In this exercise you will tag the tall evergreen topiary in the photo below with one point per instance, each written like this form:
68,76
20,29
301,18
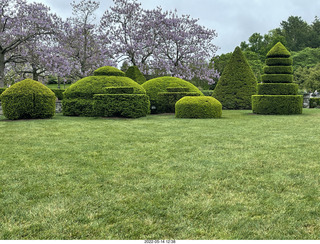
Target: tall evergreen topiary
135,74
237,83
277,94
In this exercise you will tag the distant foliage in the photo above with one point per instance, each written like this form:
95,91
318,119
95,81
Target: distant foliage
135,74
198,107
237,83
28,99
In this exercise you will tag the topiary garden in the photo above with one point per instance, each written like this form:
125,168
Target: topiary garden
28,99
277,94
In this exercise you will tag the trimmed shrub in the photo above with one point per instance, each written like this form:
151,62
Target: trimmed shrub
177,89
78,98
278,89
278,70
155,86
200,107
314,102
278,51
119,90
237,83
58,92
207,92
277,104
167,100
28,99
277,95
135,74
108,71
279,61
125,105
277,78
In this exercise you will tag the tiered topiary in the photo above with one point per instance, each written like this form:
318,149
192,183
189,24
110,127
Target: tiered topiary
277,94
202,107
165,91
28,99
116,93
135,74
237,83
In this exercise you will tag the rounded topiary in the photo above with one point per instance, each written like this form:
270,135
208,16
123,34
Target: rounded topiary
156,87
79,97
135,74
237,83
198,107
277,94
108,71
28,99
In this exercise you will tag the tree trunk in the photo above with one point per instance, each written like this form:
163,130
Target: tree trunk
1,70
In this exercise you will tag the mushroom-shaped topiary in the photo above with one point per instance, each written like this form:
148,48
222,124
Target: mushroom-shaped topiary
156,88
108,71
198,107
79,98
28,99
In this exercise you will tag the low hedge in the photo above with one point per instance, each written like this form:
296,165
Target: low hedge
277,104
200,107
314,102
58,92
119,90
278,89
28,99
279,61
78,107
177,89
125,105
278,70
167,100
277,78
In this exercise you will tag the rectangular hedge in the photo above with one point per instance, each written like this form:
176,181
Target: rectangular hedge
167,100
119,90
125,105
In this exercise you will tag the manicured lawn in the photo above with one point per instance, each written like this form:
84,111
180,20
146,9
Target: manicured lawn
240,177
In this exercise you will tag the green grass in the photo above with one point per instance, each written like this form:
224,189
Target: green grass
240,177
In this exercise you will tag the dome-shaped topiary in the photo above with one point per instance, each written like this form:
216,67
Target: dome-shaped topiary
237,83
135,74
108,71
79,97
28,99
198,107
156,87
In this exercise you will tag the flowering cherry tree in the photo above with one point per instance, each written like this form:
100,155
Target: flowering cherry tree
21,23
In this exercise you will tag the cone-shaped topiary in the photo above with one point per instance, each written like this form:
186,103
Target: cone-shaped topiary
28,99
135,74
277,94
237,83
120,94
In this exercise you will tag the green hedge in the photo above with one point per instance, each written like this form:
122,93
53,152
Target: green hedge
278,51
108,71
278,70
135,74
277,78
158,85
277,104
2,90
167,100
119,90
28,99
177,89
198,107
279,61
58,92
125,105
278,89
314,102
207,92
78,107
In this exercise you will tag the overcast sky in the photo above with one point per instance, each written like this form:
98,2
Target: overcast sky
234,20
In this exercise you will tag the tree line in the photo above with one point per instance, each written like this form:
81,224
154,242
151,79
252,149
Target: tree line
36,43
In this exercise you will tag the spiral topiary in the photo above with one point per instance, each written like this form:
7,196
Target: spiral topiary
28,99
277,94
155,89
